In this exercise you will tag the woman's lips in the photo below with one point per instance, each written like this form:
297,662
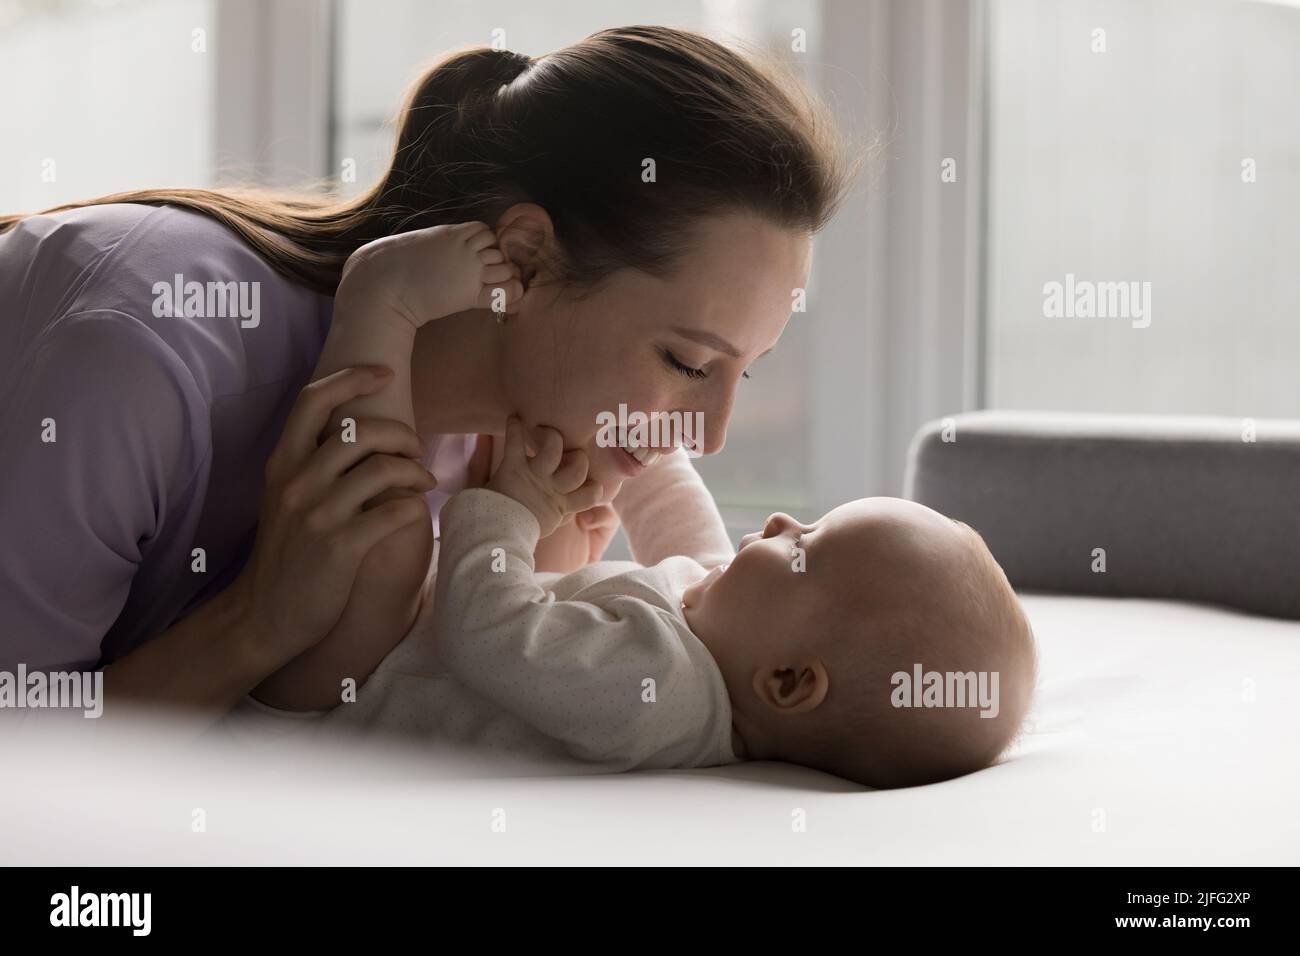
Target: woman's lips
626,463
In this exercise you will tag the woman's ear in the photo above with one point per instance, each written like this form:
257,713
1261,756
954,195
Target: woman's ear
524,233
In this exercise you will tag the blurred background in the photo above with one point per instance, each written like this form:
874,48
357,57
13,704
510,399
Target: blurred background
1021,140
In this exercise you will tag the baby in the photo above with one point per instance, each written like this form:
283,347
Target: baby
881,643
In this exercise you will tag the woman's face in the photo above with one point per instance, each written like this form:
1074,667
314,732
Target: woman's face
681,344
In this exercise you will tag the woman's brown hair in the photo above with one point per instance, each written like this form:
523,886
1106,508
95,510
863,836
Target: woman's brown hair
483,129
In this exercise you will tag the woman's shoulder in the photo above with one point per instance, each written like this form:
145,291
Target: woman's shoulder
71,244
87,231
177,278
118,255
131,244
84,230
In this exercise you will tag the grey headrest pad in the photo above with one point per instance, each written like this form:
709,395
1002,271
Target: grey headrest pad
1181,507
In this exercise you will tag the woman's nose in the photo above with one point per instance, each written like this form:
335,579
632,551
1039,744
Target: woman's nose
715,423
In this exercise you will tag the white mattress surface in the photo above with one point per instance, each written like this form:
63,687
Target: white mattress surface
1163,733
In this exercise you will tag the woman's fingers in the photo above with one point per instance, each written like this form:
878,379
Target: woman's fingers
371,478
572,471
368,436
355,538
311,412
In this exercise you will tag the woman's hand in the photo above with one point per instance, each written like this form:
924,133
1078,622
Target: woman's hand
426,274
313,532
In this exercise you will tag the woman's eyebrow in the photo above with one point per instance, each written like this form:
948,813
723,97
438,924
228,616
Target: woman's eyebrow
715,342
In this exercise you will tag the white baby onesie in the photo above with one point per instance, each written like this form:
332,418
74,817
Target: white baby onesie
600,660
594,668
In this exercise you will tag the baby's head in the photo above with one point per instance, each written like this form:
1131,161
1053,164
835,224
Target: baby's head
881,643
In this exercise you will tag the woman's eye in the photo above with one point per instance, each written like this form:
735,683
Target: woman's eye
680,366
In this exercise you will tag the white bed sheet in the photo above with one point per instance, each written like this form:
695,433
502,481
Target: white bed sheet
1163,733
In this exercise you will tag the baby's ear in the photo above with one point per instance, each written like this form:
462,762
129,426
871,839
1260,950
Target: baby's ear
794,690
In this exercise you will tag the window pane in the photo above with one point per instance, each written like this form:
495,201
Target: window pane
113,96
1131,165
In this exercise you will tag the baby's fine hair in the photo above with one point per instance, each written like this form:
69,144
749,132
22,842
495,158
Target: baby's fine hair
956,617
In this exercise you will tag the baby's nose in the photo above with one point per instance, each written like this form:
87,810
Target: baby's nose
779,522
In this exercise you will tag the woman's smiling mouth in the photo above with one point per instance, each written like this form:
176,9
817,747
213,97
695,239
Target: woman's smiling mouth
633,459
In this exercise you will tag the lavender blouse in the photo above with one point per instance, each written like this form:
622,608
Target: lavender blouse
148,361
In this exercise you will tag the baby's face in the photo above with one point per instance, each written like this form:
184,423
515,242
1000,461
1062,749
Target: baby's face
767,607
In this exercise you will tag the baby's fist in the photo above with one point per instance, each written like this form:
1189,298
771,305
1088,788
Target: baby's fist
552,484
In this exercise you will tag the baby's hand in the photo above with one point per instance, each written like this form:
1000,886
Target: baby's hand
427,274
552,485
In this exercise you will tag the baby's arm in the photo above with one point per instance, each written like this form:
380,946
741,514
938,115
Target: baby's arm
367,330
574,670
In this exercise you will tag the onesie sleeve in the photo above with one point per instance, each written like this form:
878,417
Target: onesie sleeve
97,437
615,680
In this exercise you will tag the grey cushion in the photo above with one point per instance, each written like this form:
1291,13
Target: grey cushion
1182,506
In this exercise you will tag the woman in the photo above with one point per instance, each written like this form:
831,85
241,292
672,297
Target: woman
656,194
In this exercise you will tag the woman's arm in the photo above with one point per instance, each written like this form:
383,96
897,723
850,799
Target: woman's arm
668,510
206,662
